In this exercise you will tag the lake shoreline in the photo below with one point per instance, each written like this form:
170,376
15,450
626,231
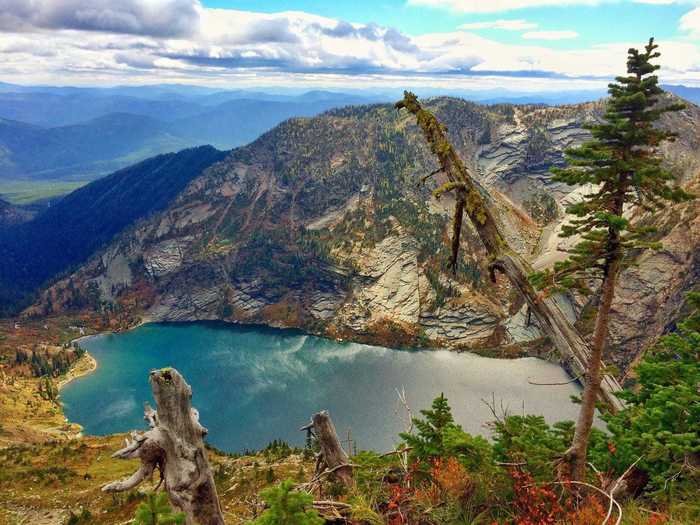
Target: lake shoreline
84,366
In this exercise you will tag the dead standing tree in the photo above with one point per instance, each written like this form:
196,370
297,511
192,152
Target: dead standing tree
476,203
331,458
175,447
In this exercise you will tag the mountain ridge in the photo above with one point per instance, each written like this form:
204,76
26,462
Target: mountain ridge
68,232
318,224
113,140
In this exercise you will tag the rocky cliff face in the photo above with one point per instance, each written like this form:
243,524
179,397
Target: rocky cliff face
320,224
651,293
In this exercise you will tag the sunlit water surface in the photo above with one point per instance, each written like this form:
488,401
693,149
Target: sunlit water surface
252,385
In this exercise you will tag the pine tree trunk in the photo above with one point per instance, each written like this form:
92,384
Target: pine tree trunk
175,446
575,458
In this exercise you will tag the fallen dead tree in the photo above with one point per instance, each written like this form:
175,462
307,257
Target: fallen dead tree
174,446
476,203
333,511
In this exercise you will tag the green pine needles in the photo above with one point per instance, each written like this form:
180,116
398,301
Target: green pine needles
286,507
438,436
624,166
429,440
662,422
156,510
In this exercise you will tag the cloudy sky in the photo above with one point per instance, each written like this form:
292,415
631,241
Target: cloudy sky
461,44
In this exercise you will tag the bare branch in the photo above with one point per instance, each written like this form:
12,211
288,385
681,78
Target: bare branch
144,472
424,178
614,488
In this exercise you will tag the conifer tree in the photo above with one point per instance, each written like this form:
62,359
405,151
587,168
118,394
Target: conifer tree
156,510
660,428
623,165
429,440
286,507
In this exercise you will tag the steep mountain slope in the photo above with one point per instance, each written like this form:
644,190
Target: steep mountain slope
651,294
67,233
320,224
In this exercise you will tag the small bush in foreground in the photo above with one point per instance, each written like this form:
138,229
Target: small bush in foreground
156,510
286,507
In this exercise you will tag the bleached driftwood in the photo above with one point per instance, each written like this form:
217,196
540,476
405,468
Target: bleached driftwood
175,447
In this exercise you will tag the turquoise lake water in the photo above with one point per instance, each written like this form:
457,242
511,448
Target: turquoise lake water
252,385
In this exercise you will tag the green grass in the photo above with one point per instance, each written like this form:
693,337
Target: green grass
21,192
25,191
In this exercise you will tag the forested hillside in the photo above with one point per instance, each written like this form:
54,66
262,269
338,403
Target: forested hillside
68,232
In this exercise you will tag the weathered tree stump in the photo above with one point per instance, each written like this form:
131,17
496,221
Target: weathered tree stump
174,446
331,459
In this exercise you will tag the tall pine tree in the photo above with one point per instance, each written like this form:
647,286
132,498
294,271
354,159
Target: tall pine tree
623,164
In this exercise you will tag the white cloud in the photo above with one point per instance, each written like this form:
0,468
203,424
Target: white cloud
495,6
498,6
550,35
691,21
227,47
665,2
506,25
141,17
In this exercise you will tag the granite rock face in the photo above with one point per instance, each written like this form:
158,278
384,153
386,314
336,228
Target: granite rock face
651,293
319,224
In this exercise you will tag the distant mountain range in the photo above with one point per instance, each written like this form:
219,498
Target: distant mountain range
82,150
77,134
62,106
691,94
71,230
74,134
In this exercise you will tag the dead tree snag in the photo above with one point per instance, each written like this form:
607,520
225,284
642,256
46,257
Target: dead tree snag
331,459
174,445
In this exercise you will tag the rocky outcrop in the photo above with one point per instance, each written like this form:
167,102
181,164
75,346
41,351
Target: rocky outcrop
392,269
651,291
651,294
166,256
